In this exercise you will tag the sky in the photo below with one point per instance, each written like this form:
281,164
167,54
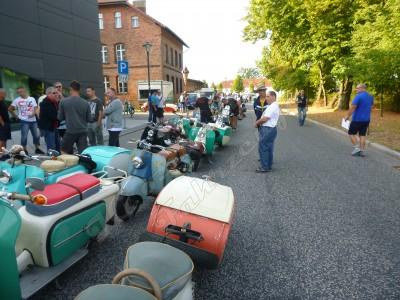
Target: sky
213,30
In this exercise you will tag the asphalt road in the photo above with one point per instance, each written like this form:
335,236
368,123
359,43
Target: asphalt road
322,225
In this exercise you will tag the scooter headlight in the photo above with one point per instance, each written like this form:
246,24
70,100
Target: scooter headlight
137,162
168,142
150,133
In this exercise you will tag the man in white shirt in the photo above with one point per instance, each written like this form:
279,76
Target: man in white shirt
267,125
27,111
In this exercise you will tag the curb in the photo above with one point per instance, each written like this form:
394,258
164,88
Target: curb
377,146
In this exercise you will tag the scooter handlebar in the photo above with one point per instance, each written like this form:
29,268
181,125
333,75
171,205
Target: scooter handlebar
16,196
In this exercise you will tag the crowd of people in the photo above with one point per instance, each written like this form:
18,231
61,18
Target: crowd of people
66,122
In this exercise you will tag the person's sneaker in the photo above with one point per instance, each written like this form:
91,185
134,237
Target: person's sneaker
259,170
356,151
361,153
39,151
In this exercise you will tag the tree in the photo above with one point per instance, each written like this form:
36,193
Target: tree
249,73
213,86
251,87
205,84
237,84
220,87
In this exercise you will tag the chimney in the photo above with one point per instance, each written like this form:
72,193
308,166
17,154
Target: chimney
141,4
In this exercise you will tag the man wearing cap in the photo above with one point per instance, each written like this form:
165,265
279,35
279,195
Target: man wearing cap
260,104
267,126
361,114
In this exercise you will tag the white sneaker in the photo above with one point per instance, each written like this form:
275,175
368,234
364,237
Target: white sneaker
356,151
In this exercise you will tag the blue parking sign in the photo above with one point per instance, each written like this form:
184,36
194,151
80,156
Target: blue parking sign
123,68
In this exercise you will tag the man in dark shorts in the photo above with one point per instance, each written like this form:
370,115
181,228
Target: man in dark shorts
205,112
5,129
361,114
76,113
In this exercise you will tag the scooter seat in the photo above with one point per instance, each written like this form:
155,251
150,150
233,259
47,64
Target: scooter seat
168,155
51,166
115,292
68,159
64,194
58,197
85,184
170,267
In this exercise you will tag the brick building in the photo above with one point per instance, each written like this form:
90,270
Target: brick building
124,28
194,85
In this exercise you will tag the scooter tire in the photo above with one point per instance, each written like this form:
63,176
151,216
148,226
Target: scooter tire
195,165
127,206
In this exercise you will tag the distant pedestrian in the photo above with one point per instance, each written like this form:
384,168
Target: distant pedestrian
76,113
260,103
27,112
302,103
234,111
95,125
62,127
204,106
182,102
5,129
48,121
114,114
267,125
160,108
154,101
361,115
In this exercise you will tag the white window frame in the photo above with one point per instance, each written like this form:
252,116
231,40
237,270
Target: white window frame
118,19
135,22
122,86
106,82
104,54
120,52
101,21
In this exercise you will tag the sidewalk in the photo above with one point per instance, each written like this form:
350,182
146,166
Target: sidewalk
131,125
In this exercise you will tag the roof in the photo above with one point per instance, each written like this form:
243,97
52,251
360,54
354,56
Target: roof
125,2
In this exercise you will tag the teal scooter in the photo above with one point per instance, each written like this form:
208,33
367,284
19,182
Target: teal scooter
15,171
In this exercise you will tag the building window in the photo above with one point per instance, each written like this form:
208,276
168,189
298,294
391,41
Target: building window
106,82
120,52
173,84
171,52
180,86
101,21
166,54
167,77
118,20
122,86
180,61
104,54
176,58
135,22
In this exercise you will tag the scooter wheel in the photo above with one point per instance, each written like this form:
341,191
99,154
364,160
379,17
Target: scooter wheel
127,206
195,165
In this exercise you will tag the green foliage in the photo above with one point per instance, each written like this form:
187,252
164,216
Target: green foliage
251,87
220,87
249,73
205,84
237,84
319,45
213,86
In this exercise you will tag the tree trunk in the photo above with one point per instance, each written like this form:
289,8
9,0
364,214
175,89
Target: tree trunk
322,86
346,94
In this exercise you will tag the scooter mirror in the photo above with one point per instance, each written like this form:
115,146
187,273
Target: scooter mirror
35,183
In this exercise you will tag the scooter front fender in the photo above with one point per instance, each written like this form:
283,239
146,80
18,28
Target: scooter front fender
134,186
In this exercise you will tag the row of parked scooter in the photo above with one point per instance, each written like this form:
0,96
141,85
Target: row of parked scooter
49,213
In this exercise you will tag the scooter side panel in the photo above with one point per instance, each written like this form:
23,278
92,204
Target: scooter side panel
134,186
70,234
19,174
159,166
10,224
108,155
210,141
35,229
215,233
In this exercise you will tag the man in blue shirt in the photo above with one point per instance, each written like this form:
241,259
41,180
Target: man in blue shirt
361,114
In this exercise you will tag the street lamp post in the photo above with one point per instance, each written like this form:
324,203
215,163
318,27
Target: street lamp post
147,46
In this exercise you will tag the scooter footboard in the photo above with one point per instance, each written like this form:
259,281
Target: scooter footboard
200,257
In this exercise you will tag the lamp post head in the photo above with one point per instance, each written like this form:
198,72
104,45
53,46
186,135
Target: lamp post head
147,46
